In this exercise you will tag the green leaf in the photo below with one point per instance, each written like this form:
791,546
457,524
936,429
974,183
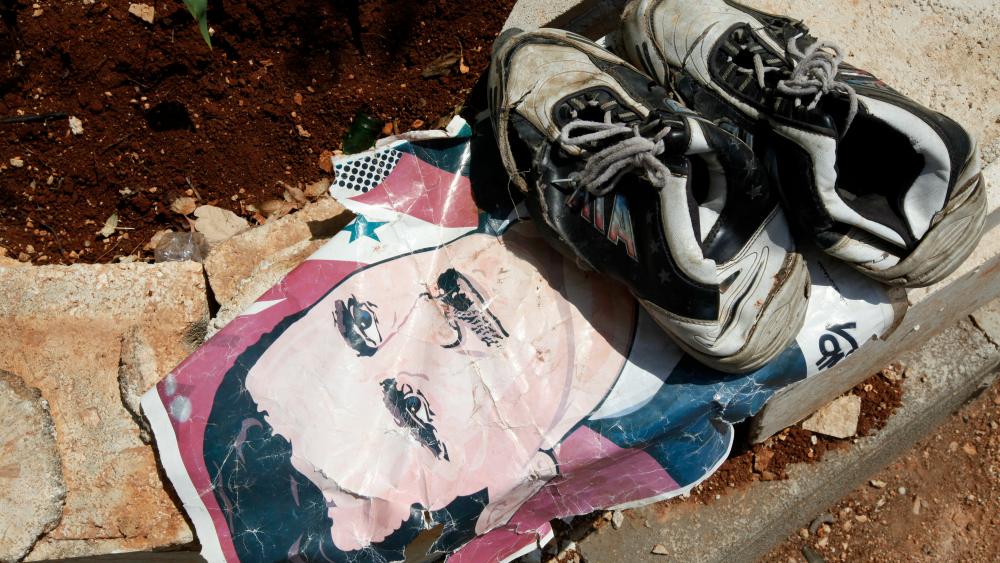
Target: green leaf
199,9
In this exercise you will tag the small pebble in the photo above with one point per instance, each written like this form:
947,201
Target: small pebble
75,126
878,484
659,549
144,12
617,518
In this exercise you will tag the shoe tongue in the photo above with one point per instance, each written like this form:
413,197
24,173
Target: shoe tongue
831,114
676,141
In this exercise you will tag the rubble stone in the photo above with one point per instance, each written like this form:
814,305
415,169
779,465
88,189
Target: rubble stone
138,371
232,262
32,491
263,277
838,419
61,330
144,12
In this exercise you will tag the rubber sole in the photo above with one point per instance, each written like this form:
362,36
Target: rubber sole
779,323
946,246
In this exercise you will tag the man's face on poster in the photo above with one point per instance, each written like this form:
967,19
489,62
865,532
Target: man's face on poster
438,375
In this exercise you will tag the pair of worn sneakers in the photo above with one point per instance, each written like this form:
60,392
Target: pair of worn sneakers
682,203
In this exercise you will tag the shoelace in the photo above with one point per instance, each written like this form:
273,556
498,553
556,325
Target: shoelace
604,169
814,74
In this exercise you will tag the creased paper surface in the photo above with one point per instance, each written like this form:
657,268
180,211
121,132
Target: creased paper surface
437,380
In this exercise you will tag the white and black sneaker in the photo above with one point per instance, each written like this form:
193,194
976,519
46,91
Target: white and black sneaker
877,180
630,184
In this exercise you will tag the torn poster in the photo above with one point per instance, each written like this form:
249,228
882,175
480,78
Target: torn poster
436,380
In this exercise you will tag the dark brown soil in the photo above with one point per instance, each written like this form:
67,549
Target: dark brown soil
164,116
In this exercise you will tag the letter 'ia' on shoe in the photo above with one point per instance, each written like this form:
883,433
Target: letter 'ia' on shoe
632,185
877,180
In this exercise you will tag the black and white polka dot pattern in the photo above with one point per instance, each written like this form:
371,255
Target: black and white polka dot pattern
365,173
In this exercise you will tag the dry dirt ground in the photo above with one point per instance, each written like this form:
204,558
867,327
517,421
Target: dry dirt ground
940,502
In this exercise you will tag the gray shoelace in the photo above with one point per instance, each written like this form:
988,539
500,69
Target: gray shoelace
814,74
605,168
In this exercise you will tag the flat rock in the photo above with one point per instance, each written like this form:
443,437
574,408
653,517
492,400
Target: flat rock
138,372
218,224
264,276
838,419
61,331
32,491
232,262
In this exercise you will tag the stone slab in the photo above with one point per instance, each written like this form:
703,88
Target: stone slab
232,262
32,491
61,331
591,18
745,524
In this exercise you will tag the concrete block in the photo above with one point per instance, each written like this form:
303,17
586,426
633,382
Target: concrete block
591,18
61,331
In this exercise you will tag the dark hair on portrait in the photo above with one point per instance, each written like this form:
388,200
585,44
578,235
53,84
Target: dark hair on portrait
274,513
